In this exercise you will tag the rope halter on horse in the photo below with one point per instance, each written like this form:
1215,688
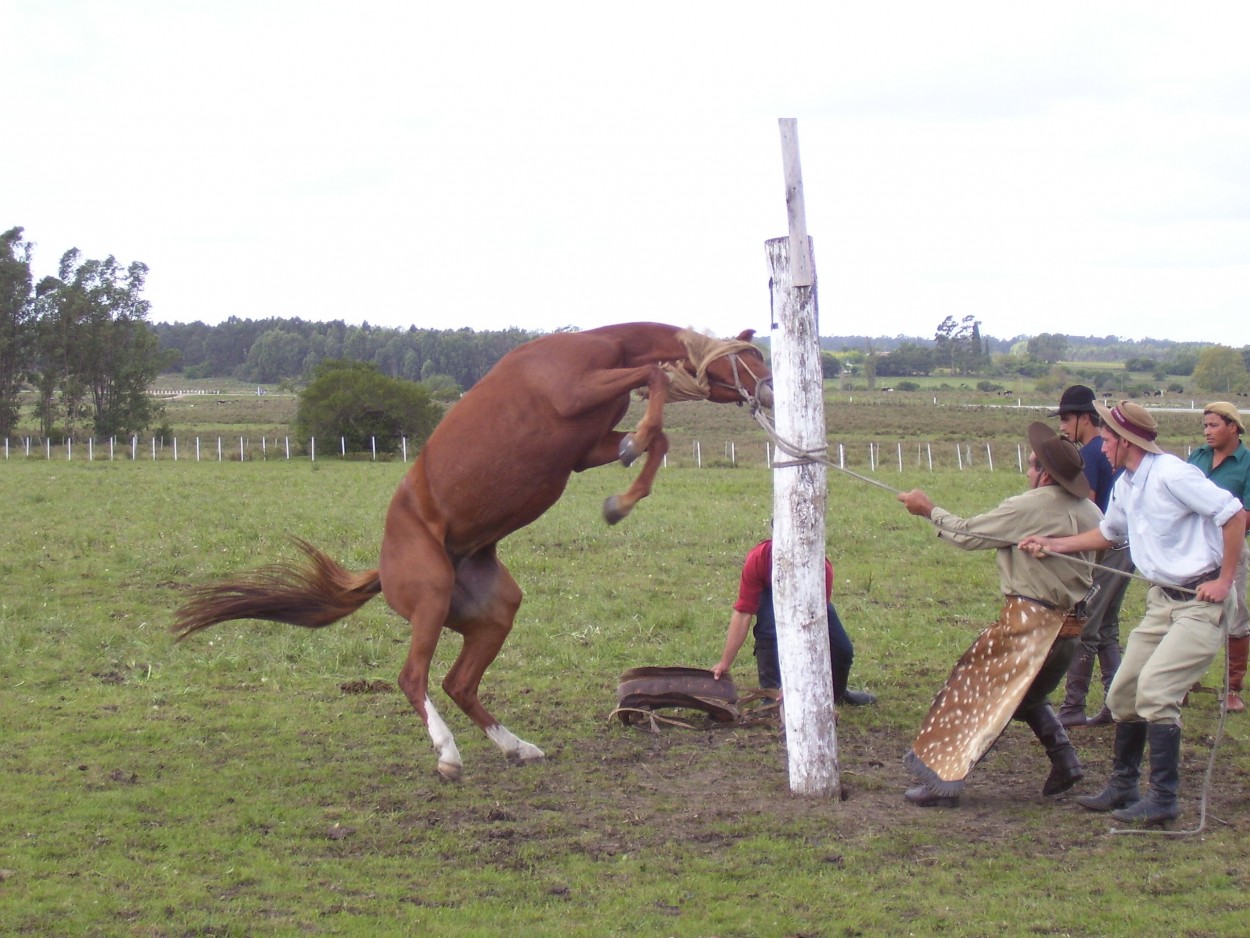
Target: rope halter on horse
702,350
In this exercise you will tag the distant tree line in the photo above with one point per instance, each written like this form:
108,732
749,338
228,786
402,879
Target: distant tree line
1046,347
269,351
958,349
81,339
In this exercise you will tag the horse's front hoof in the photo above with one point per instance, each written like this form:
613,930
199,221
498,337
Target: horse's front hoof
450,771
628,451
612,512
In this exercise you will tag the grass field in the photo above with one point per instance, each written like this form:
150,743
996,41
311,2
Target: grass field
263,780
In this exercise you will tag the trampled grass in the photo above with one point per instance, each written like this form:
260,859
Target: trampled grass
228,785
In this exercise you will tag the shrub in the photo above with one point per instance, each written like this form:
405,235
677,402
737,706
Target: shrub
355,401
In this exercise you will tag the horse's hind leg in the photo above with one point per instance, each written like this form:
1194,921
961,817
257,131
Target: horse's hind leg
493,598
414,680
417,581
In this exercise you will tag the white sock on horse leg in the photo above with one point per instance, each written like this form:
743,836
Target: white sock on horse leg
449,764
517,750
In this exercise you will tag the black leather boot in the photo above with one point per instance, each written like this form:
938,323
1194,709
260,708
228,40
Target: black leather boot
845,697
1065,766
925,797
1121,789
1160,803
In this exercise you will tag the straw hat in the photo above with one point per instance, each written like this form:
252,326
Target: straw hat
1060,458
1131,422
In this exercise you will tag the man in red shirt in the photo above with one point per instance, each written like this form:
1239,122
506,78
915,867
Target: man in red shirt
755,599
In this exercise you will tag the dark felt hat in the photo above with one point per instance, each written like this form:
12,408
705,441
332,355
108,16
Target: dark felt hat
1077,399
1060,458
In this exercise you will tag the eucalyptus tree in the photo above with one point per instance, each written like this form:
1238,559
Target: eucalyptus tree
95,353
16,319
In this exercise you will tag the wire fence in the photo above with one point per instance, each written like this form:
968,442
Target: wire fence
894,456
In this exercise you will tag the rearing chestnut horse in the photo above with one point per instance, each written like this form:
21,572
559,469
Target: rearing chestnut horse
500,458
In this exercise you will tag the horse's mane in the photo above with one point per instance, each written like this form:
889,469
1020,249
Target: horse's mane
701,351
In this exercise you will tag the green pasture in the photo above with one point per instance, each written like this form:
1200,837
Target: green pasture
265,780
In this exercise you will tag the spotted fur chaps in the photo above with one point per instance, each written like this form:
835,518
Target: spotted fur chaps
983,691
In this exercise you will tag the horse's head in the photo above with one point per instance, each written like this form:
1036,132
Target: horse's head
737,374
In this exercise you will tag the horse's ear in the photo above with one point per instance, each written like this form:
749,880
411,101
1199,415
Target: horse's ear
746,335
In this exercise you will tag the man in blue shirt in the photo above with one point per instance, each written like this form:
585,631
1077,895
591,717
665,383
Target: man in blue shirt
1226,462
1100,637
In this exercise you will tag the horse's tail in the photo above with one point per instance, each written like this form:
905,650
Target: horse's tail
314,595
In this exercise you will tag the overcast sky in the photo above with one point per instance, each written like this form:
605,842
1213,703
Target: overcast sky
1079,168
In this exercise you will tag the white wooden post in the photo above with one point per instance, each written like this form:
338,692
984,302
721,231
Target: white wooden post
799,497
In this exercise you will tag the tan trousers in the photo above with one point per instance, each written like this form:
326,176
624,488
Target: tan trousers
1170,650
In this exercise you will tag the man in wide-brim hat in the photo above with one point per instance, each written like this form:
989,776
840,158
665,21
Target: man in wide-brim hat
1185,534
1017,661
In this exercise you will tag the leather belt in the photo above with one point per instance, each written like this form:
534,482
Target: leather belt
1183,593
1072,626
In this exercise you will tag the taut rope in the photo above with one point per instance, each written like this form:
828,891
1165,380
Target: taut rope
802,457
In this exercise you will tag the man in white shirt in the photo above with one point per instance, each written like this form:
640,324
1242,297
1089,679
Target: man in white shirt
1184,533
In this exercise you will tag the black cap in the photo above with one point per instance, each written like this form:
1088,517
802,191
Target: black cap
1077,399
